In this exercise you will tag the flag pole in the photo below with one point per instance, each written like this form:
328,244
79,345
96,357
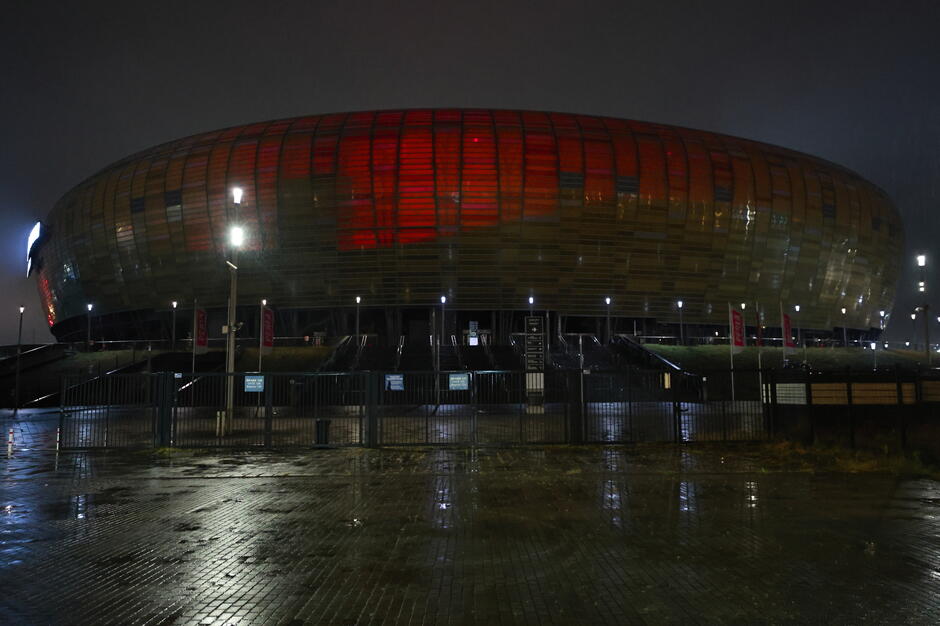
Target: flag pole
731,347
760,340
195,330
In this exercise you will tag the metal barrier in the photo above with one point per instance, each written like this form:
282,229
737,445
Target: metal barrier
401,408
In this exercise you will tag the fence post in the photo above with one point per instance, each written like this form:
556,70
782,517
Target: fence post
372,422
62,388
902,422
773,403
576,394
268,411
165,385
809,407
676,417
848,396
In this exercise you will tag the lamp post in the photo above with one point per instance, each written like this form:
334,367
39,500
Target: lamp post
881,325
874,355
19,343
89,306
681,331
358,300
925,307
173,326
607,301
443,325
799,331
264,303
845,330
236,239
531,302
914,327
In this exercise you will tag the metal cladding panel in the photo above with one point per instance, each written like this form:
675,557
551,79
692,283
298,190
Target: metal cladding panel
489,207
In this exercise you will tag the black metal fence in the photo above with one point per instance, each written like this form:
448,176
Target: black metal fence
409,408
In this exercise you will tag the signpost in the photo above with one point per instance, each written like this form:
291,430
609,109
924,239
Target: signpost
394,382
534,359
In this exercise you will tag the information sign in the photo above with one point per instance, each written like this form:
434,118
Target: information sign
458,382
254,383
394,382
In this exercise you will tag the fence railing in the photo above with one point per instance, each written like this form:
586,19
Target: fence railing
402,408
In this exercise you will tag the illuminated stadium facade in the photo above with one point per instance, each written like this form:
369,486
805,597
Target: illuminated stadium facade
485,207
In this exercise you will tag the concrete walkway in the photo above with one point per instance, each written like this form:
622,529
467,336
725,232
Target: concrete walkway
534,535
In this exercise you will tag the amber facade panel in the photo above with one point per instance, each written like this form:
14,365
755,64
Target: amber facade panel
486,207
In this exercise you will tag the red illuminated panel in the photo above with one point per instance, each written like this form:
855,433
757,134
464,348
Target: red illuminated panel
355,219
384,181
219,194
541,168
509,148
416,212
446,164
598,171
195,207
479,184
47,298
652,169
269,151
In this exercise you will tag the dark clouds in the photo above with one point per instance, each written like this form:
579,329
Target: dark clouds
85,83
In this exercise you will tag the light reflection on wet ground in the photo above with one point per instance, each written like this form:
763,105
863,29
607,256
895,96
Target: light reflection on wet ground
523,535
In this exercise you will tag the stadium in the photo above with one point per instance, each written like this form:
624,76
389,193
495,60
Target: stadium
386,222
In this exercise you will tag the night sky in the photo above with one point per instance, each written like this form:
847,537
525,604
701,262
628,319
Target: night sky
86,83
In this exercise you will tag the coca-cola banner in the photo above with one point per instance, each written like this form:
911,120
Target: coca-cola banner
267,331
788,344
736,323
201,332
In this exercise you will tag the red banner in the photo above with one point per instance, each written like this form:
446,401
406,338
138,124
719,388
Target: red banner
788,343
201,332
267,331
737,330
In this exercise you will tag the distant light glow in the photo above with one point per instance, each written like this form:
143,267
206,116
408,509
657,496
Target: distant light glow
743,305
22,308
531,300
796,307
679,304
443,299
237,193
174,303
873,345
358,299
90,306
607,300
843,310
921,260
30,242
264,302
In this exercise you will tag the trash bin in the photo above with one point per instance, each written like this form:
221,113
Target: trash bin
323,432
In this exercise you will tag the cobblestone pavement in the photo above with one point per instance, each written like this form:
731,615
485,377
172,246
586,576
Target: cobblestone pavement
540,535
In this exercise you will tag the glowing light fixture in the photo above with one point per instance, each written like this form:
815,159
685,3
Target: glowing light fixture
237,193
236,236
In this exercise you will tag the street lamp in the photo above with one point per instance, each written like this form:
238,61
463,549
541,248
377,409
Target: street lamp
264,303
443,325
681,331
874,355
799,332
925,307
236,240
531,302
845,331
607,301
173,326
358,300
19,343
90,306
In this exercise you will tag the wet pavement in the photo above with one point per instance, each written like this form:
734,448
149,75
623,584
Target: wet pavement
538,534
